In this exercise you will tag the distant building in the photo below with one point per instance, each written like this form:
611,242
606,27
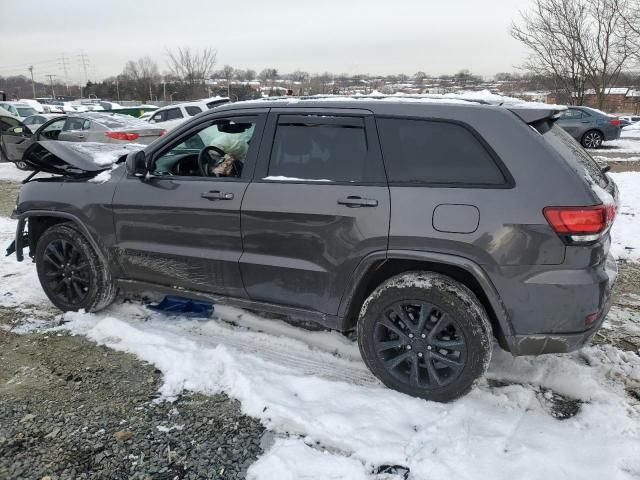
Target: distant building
617,100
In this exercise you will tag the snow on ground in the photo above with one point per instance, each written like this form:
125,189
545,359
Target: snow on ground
338,428
629,142
10,173
333,419
626,228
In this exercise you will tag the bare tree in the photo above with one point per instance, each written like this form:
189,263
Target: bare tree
228,72
579,43
192,66
268,75
144,74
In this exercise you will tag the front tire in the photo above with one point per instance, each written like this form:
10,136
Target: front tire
426,335
592,139
71,272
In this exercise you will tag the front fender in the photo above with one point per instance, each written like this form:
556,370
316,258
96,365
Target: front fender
22,239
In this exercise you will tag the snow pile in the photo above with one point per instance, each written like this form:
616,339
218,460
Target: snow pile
103,176
104,154
463,97
280,178
626,228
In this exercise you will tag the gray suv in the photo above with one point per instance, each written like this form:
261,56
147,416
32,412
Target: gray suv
429,228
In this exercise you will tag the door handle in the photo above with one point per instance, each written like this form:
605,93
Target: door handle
353,201
217,195
80,136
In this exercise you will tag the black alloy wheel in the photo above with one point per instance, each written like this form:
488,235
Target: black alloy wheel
420,344
66,270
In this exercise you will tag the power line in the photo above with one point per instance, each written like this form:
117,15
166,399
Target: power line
84,62
64,64
51,77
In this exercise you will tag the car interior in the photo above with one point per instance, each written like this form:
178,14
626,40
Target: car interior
199,154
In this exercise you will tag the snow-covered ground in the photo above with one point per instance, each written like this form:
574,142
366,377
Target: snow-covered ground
9,172
333,419
629,141
626,228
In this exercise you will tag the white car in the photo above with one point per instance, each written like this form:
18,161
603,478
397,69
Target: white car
177,113
18,109
36,105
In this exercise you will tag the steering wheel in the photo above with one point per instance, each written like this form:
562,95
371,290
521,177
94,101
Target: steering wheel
204,157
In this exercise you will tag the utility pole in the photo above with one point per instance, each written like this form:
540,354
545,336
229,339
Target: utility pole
84,63
117,88
33,83
51,77
64,63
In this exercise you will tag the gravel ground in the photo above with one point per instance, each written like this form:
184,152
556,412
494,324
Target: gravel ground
8,194
70,409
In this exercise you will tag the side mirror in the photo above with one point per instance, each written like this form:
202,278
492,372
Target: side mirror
136,164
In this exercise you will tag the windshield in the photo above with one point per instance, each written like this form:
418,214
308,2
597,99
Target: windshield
26,111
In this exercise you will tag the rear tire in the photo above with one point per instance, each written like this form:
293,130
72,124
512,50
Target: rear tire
71,272
426,335
592,139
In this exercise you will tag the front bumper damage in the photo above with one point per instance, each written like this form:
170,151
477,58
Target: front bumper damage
21,240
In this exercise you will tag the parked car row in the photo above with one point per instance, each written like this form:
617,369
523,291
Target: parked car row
23,125
98,127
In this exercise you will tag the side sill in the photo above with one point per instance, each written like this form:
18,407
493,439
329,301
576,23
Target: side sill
328,321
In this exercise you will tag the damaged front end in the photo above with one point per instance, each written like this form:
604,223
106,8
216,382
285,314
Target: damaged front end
68,162
76,160
21,240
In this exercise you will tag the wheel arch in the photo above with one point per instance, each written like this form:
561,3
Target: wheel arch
41,220
378,267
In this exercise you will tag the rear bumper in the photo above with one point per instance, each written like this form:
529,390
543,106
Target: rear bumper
611,132
548,310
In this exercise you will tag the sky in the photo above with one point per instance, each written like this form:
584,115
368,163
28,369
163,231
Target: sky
348,36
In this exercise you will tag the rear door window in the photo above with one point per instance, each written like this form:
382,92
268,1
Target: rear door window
193,110
322,148
435,152
173,114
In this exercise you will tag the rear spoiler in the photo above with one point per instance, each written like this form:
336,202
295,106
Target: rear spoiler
531,115
541,119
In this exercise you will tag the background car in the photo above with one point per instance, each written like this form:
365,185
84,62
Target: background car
631,118
18,109
180,112
86,127
7,122
34,121
589,126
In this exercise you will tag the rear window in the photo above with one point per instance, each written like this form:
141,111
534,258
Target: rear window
575,155
422,151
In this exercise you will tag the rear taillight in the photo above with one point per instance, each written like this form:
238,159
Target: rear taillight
122,135
162,132
581,224
615,121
